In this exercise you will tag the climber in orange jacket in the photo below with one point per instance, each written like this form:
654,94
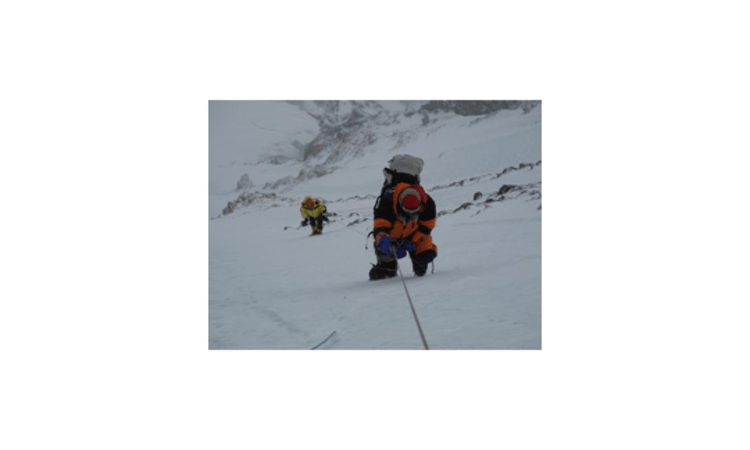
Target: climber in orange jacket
404,217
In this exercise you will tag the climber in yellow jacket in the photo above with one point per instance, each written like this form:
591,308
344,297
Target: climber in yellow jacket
313,210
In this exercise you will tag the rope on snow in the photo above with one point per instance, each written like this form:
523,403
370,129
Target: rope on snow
413,311
324,340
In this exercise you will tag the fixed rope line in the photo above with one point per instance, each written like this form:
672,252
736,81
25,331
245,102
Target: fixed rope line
355,230
324,340
413,311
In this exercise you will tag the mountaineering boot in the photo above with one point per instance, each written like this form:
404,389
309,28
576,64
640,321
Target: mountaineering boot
420,262
383,270
316,230
419,267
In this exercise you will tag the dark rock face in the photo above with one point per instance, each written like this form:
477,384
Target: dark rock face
347,128
477,107
526,192
245,200
507,188
244,183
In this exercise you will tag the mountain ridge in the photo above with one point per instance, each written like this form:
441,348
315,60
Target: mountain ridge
352,131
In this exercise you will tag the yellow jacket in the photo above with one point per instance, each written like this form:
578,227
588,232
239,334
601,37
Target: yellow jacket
318,208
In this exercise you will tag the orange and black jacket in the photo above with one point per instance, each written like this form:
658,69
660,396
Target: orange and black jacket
390,221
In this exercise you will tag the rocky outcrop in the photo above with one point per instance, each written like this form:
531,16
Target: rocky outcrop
477,107
244,183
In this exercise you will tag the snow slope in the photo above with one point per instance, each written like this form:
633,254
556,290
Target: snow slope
272,286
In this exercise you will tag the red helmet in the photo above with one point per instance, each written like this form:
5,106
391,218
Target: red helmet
309,203
411,199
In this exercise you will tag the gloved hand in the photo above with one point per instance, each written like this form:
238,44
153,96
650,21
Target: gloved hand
384,245
304,223
405,246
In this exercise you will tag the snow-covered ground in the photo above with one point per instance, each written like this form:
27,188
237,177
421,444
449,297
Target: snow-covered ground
273,286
